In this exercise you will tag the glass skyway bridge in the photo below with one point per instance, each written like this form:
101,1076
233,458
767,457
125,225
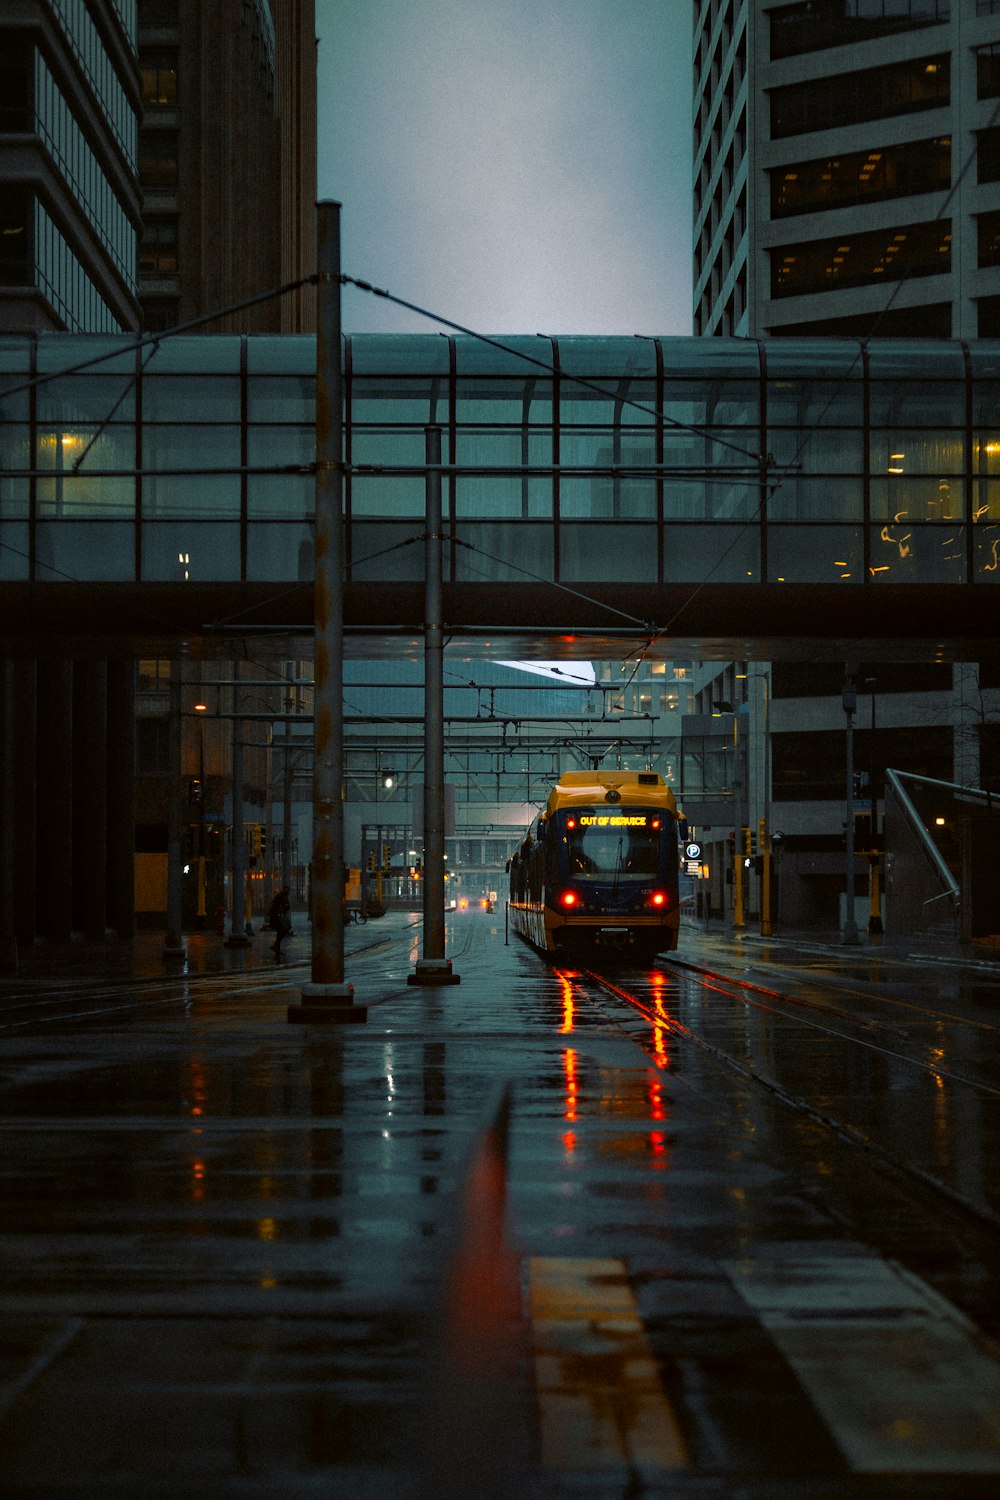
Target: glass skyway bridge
787,481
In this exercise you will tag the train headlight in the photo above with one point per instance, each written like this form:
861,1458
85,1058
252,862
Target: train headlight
568,900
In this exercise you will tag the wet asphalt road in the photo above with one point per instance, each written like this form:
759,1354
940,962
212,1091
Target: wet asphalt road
727,1227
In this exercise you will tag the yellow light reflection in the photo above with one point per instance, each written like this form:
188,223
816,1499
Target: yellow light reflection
660,1055
566,985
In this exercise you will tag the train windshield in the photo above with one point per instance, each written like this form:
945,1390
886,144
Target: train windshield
619,845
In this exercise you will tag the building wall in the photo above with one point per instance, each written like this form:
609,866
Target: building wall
847,171
228,161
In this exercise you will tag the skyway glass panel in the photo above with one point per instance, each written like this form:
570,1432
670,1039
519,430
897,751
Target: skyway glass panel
785,460
512,358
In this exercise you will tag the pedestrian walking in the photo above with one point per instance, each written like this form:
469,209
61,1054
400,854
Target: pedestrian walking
279,919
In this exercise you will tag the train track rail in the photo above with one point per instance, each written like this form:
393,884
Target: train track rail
672,1000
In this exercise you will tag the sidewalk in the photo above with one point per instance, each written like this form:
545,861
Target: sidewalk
141,958
891,949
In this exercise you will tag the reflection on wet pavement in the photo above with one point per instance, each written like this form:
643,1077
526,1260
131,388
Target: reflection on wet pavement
243,1257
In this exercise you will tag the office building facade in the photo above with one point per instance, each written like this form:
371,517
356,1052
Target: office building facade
847,168
70,207
847,184
227,161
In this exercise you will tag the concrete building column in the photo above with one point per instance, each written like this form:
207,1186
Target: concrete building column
23,811
967,717
54,877
90,780
120,798
8,848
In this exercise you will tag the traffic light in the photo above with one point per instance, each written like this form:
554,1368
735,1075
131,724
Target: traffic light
749,842
386,855
262,840
371,864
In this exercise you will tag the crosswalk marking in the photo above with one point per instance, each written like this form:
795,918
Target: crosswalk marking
903,1381
601,1401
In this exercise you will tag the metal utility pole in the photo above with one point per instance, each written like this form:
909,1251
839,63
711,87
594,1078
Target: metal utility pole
173,944
8,741
875,927
850,704
238,935
327,997
286,791
433,967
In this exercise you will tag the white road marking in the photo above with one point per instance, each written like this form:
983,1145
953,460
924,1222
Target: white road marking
905,1383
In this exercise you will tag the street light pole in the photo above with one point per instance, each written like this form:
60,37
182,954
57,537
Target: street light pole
875,927
850,704
238,935
766,924
433,967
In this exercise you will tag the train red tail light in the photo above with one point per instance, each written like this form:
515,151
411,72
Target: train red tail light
569,899
658,898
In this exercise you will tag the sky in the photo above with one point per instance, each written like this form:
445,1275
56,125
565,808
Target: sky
515,166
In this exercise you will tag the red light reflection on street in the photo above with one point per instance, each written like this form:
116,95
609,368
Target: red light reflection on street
658,1112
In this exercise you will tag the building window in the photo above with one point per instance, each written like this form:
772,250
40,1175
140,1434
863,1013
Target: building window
988,71
809,766
858,177
988,239
158,255
15,86
816,24
931,321
988,155
160,313
16,207
852,98
861,259
152,746
988,312
158,162
159,78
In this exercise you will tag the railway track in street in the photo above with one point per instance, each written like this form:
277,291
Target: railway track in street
897,1087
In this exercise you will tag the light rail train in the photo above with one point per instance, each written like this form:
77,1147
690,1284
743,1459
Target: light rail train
597,871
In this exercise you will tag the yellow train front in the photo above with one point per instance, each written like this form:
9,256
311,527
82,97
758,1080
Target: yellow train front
596,873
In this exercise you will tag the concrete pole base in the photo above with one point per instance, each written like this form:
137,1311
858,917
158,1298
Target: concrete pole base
324,1004
237,940
173,948
433,971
